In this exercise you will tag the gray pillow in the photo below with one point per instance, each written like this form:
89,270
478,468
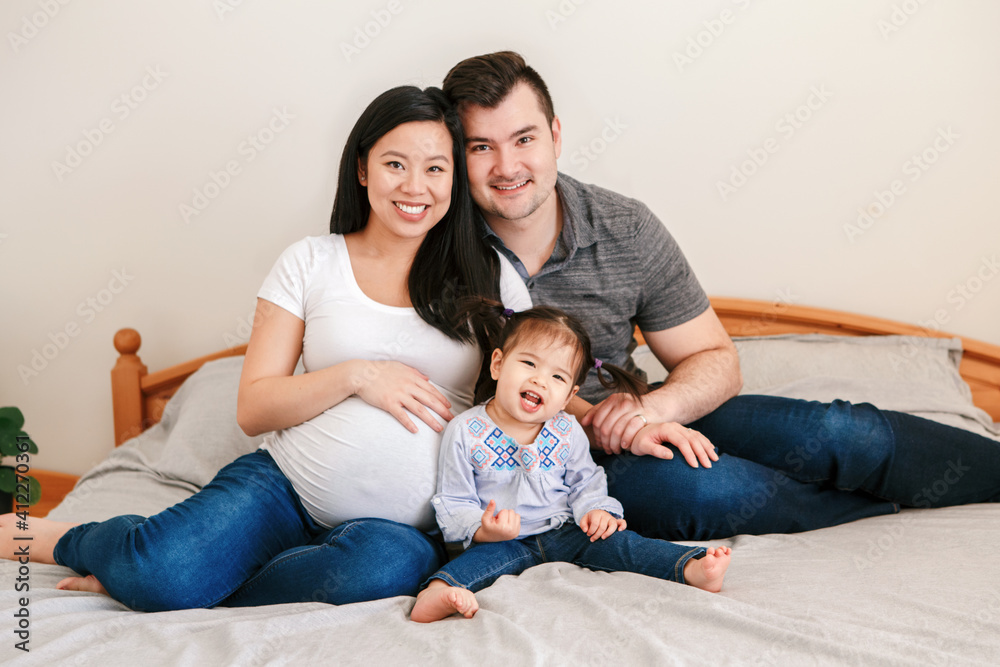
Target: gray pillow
197,436
911,374
199,424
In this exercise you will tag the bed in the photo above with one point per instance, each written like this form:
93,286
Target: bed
921,587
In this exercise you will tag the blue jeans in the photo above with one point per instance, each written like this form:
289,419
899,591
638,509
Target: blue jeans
624,551
787,465
245,540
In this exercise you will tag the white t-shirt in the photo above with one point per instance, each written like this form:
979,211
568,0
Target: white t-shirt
354,460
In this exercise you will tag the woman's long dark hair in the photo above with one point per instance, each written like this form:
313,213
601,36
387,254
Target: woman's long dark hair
497,328
453,260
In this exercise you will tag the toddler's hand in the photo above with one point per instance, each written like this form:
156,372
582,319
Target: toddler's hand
653,440
506,525
599,524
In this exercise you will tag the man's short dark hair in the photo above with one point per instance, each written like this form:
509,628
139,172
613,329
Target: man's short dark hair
487,80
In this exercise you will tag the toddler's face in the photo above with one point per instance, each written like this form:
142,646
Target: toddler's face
534,379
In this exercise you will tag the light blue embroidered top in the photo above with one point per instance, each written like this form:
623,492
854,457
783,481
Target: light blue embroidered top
549,482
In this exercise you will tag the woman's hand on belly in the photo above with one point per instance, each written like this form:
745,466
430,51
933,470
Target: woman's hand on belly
396,388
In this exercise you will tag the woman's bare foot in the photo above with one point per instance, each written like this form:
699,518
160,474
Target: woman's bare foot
708,572
439,600
88,584
43,533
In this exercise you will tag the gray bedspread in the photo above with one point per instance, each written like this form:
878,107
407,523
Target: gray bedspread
918,588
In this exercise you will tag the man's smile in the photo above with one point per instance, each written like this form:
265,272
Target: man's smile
508,188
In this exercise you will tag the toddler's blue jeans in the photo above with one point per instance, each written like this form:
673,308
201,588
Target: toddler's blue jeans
624,551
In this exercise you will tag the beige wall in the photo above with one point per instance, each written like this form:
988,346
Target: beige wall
808,112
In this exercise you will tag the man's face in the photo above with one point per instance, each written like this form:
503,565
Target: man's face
511,153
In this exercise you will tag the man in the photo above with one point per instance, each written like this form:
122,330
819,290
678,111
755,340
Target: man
786,465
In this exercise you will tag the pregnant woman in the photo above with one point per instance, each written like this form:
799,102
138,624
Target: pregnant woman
334,505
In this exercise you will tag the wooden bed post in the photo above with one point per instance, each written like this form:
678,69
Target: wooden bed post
126,390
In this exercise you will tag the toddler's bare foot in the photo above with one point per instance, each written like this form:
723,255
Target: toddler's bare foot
439,600
89,584
43,533
708,572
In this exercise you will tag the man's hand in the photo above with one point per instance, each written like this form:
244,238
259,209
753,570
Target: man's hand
614,421
506,525
652,440
599,524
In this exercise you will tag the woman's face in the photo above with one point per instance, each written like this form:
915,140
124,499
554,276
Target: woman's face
408,175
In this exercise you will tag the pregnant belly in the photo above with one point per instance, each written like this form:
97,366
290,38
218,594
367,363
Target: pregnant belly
355,461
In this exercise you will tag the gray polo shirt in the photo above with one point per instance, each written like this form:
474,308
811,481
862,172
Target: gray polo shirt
614,266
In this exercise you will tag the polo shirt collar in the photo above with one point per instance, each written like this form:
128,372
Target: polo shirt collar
577,231
575,218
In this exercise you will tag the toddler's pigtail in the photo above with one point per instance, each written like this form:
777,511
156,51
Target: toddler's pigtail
487,318
620,380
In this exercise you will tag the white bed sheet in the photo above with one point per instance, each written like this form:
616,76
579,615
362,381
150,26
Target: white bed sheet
918,588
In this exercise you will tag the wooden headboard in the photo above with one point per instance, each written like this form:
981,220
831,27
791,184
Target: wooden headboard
139,396
980,367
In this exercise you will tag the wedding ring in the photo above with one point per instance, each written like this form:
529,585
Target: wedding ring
640,417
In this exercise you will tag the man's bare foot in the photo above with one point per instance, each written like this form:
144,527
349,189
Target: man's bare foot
88,584
44,535
708,572
439,600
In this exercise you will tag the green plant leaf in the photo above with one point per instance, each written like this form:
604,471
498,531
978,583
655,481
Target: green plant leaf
34,491
32,447
8,484
11,418
7,479
12,447
11,422
8,446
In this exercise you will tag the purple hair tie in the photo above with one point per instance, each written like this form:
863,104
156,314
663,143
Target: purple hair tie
597,363
508,313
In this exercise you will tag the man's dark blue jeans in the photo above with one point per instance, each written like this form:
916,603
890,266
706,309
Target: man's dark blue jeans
787,465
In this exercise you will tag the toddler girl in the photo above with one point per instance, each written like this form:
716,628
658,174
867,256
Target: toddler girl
521,453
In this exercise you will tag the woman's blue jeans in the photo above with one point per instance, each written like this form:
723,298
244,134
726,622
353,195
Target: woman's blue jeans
787,466
624,551
245,540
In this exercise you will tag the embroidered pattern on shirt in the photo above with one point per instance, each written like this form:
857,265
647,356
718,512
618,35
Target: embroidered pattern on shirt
561,424
552,450
504,447
500,452
476,427
527,458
